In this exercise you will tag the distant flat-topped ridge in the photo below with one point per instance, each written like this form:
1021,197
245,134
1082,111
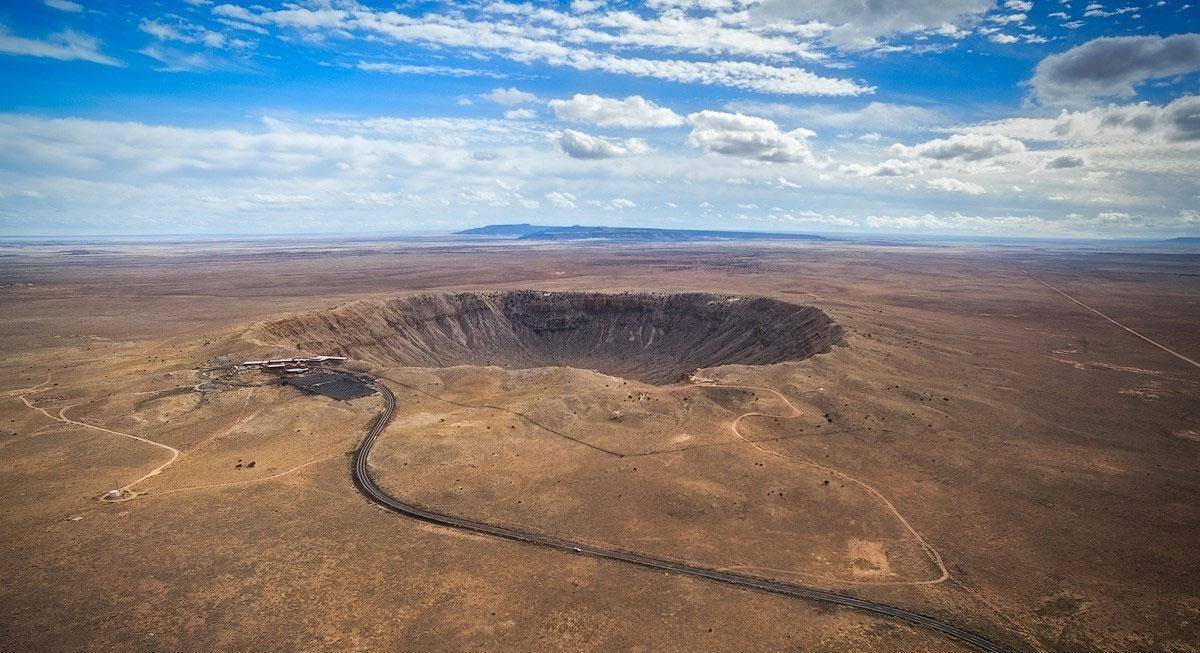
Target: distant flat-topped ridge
625,234
651,337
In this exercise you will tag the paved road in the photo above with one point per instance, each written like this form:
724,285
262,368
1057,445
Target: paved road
367,485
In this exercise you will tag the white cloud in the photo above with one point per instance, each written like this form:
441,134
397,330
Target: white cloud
64,5
889,168
562,199
1103,223
418,69
380,198
185,32
749,137
67,45
951,185
633,112
131,150
541,35
268,198
1176,122
857,25
584,6
748,75
708,35
176,61
1006,19
1096,10
1112,67
509,96
579,145
520,114
998,225
874,115
620,204
963,147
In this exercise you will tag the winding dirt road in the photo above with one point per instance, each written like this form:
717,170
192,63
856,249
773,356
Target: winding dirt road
62,417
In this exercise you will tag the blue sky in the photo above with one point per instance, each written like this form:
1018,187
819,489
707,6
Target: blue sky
1017,117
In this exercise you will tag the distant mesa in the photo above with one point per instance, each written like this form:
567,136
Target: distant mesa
504,230
651,337
625,234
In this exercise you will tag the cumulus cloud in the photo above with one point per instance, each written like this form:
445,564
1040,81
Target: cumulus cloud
520,114
633,112
951,185
962,147
579,145
857,24
67,45
1179,120
1112,67
509,96
562,199
748,137
1176,122
620,204
889,168
1065,161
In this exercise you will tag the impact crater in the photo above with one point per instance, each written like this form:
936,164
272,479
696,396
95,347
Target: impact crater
656,338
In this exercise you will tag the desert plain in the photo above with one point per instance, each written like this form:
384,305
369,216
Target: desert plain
973,441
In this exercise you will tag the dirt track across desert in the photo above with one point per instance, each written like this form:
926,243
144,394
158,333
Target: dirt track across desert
1143,337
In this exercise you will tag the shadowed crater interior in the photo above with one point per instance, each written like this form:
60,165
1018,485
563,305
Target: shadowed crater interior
655,338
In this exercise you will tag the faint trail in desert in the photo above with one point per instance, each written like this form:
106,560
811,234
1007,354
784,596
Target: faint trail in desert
32,388
931,552
62,417
1156,344
502,409
248,480
203,444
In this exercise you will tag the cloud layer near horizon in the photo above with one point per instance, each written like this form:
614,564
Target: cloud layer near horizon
722,113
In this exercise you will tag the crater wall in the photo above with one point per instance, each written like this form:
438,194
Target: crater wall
655,338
